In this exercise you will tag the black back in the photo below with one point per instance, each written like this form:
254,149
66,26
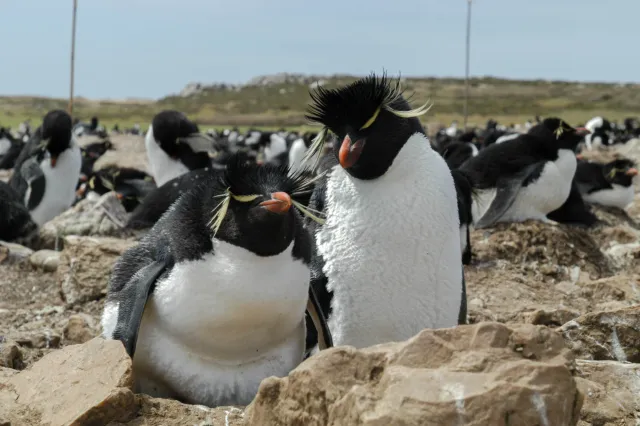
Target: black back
592,176
15,220
8,160
574,211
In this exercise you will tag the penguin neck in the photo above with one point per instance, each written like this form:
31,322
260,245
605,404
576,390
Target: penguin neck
163,167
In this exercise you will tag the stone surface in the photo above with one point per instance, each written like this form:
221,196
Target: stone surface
80,385
87,218
78,329
13,253
85,266
485,374
48,260
612,393
10,356
162,412
610,335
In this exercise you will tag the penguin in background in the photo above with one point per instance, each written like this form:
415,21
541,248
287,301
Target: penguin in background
10,149
213,299
388,260
15,221
525,178
609,184
130,185
48,168
175,146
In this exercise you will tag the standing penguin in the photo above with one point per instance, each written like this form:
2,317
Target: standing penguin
175,146
388,256
213,299
527,177
48,168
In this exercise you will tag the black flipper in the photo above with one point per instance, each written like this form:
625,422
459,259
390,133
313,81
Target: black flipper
314,310
462,315
506,192
136,293
35,180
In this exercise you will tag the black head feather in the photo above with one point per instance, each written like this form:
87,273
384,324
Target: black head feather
56,131
617,171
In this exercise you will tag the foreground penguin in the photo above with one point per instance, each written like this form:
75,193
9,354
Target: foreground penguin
213,299
389,260
609,184
48,168
527,177
175,146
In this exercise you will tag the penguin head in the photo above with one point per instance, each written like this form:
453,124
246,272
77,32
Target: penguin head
563,136
181,139
255,207
371,121
620,172
56,133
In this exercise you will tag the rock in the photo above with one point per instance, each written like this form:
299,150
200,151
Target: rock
13,253
78,330
46,339
48,260
611,391
88,217
610,335
81,384
85,266
161,412
484,374
553,318
542,247
11,356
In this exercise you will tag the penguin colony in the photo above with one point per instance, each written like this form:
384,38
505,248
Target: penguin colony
265,247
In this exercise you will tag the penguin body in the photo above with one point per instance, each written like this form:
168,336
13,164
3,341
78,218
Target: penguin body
456,153
175,146
609,184
213,299
10,148
296,154
506,138
15,220
130,185
388,256
574,211
48,168
526,178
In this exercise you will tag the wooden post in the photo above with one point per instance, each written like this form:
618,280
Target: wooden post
73,56
466,74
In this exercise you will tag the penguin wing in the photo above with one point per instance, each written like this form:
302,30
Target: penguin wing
134,295
314,310
35,181
507,190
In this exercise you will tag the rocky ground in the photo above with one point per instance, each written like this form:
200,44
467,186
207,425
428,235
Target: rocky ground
554,340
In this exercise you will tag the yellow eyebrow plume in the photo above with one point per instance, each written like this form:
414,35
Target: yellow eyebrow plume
371,120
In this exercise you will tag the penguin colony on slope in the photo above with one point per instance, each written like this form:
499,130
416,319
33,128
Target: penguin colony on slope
265,247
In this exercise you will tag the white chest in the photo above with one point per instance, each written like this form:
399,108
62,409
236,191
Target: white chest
5,145
619,196
163,167
392,249
60,184
296,155
539,198
214,328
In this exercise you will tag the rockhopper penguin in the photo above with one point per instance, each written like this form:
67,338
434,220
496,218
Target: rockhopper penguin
388,261
213,299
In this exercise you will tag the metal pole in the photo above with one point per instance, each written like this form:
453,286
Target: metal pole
73,56
466,75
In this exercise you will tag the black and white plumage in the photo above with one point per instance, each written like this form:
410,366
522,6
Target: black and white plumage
15,220
527,177
574,211
388,262
91,153
213,299
47,170
175,146
609,184
10,148
130,185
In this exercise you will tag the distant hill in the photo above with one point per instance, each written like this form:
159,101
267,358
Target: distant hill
281,99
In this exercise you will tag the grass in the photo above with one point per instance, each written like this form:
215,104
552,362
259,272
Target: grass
282,104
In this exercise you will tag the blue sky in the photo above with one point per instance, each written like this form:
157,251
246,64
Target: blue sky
150,48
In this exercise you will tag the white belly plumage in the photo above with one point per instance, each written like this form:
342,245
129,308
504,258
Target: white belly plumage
539,198
619,196
216,327
392,249
163,168
60,184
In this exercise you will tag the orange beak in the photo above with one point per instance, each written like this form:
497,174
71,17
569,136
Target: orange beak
350,153
80,191
582,131
580,156
54,160
119,196
280,202
632,172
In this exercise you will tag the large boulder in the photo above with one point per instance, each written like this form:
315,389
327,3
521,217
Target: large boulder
484,374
